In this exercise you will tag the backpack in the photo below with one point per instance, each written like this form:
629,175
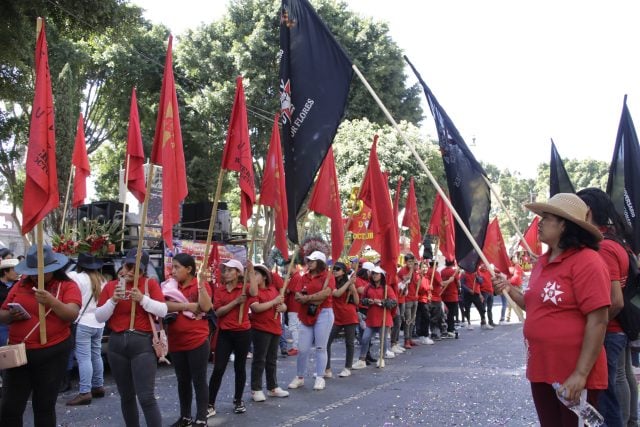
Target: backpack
629,316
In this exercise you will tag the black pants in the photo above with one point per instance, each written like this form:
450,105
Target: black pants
488,306
349,340
134,364
41,378
397,323
475,300
452,311
191,368
422,320
236,342
265,357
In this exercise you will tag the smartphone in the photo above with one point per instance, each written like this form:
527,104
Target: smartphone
15,306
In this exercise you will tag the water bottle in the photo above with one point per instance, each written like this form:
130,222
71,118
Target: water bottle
588,413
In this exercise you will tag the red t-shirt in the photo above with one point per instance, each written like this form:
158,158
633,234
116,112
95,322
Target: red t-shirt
411,286
375,312
313,284
560,295
436,286
516,277
361,284
344,312
266,321
229,321
471,282
617,261
450,293
293,306
487,284
119,320
57,329
424,290
186,333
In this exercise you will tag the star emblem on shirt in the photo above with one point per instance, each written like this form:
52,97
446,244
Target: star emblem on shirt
552,292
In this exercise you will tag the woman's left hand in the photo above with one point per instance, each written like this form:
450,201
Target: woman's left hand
136,295
44,297
573,386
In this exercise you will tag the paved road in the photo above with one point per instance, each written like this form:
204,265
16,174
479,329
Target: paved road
477,380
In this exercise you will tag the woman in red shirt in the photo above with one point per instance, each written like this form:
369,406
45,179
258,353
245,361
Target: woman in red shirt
316,318
345,309
449,294
189,339
567,310
131,356
233,336
266,329
46,363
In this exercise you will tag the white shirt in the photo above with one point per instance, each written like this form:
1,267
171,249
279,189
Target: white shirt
84,283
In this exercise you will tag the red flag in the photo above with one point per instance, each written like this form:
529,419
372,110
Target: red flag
41,185
273,192
442,225
167,151
531,236
495,249
81,162
375,194
412,219
213,263
237,153
135,153
360,229
325,200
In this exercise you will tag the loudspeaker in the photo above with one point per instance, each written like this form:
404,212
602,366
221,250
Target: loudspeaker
198,216
102,211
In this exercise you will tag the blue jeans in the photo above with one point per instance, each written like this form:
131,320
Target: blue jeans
614,344
317,334
89,356
503,309
366,339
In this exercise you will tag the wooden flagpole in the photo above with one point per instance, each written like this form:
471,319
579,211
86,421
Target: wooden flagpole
124,205
424,167
292,263
66,199
212,221
383,329
522,239
249,256
143,224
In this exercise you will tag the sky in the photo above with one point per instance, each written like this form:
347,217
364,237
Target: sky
510,74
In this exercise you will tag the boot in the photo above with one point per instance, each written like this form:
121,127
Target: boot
97,392
80,399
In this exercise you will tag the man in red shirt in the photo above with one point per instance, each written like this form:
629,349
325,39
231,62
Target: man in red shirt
449,294
486,289
409,278
436,314
471,295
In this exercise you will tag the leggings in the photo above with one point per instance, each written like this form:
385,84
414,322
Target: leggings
552,412
191,368
236,342
265,357
452,310
349,339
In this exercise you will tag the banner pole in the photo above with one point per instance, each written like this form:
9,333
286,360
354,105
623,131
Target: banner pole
424,167
66,200
143,224
41,308
212,220
124,205
249,256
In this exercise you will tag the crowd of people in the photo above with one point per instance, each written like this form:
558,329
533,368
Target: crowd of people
571,332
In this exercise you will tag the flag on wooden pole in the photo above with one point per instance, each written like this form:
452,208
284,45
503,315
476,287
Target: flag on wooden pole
81,163
441,225
411,219
41,184
135,153
168,153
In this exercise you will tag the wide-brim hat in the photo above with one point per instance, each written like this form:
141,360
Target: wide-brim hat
265,270
89,262
568,206
52,261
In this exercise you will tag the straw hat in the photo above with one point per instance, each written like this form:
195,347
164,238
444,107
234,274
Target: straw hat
568,206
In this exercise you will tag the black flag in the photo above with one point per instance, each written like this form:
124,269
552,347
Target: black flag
623,185
559,181
468,190
315,75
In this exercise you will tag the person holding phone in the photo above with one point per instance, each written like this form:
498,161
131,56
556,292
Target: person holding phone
40,378
131,355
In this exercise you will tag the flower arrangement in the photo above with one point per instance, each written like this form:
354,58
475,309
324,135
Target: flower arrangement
91,236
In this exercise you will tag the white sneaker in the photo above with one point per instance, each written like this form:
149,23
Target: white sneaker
429,341
503,322
319,384
486,327
389,354
469,327
232,358
249,355
328,373
397,350
345,373
277,392
258,396
360,364
296,382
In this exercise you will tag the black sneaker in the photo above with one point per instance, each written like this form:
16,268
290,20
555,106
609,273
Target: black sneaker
183,422
370,359
211,411
238,407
